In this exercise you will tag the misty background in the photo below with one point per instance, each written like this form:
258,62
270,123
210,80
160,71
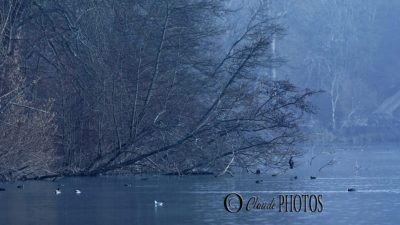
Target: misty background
350,50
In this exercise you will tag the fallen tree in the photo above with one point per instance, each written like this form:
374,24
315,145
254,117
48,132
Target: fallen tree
149,87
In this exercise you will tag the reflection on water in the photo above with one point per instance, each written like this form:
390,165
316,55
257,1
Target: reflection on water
199,199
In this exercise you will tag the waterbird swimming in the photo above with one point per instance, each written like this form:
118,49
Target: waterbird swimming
58,191
2,189
78,192
156,204
20,186
313,178
351,189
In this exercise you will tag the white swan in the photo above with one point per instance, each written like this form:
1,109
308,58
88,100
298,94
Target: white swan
78,192
58,191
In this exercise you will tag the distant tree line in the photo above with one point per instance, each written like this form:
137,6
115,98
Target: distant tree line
342,47
99,86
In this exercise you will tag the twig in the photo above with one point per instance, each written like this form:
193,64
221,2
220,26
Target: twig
29,107
282,172
227,167
9,124
329,163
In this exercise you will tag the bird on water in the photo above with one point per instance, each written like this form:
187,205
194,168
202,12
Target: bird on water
156,204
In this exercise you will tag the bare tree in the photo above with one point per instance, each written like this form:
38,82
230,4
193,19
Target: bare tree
26,121
148,87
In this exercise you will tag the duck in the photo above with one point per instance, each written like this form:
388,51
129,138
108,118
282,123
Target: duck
259,181
351,189
58,191
313,178
2,189
156,204
78,192
20,186
258,171
127,185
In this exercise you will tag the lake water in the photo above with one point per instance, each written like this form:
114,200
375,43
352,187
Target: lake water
200,199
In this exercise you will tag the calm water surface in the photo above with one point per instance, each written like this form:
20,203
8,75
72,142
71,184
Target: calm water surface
200,199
